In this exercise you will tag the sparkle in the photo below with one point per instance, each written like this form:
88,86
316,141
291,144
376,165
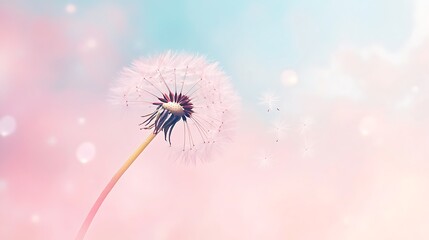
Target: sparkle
85,152
7,125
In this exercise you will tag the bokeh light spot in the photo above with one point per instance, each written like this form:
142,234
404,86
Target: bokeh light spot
71,8
367,125
3,185
85,152
81,121
35,218
52,141
7,126
289,78
91,43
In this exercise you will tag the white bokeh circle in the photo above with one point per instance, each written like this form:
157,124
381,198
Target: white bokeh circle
7,126
85,152
289,78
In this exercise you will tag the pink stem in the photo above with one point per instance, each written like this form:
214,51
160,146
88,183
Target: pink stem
109,187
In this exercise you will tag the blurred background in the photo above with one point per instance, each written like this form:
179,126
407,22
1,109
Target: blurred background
332,141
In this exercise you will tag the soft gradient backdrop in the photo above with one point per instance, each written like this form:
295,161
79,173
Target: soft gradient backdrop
332,141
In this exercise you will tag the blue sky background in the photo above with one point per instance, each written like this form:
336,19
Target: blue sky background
253,40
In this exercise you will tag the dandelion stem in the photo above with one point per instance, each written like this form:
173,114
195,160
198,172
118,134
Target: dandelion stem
110,185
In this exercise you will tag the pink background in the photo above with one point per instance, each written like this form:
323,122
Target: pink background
344,157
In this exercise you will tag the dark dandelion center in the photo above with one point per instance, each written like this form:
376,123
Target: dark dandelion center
171,108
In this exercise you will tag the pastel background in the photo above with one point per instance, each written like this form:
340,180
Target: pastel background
332,141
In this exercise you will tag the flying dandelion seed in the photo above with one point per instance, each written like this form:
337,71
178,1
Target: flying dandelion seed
270,101
279,128
306,125
172,90
307,149
264,159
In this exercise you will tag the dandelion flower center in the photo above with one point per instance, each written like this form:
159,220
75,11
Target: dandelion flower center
182,92
175,108
171,108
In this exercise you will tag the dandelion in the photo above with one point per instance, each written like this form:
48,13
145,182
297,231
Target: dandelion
173,90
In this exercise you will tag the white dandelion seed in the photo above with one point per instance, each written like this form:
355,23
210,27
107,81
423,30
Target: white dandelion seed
305,125
307,149
264,159
270,101
279,127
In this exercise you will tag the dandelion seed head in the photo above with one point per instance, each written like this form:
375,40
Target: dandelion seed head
184,93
